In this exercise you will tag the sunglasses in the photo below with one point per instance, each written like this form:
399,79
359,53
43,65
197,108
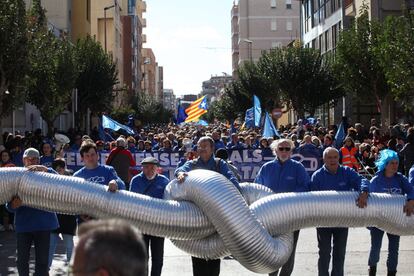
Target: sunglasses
283,149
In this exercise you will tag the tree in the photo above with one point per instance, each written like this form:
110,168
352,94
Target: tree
13,54
358,65
396,56
304,79
96,79
232,104
148,110
52,72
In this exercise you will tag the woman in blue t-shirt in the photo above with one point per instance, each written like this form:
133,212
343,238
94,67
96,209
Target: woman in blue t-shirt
388,180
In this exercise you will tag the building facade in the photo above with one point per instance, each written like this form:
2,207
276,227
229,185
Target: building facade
214,86
320,25
261,25
169,100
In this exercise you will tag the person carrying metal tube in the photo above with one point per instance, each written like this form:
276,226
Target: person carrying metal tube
284,175
335,177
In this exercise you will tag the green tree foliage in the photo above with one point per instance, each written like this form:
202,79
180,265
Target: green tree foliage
396,56
358,64
304,79
232,104
52,72
13,54
296,77
148,110
96,79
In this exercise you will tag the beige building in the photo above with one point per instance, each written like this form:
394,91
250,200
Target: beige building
149,68
261,25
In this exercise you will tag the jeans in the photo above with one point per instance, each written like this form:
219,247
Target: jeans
157,253
202,267
393,246
54,239
287,268
332,239
41,240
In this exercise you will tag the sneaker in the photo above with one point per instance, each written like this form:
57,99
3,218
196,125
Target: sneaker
2,229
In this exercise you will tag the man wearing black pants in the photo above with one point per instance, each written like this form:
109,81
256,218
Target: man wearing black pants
152,184
206,161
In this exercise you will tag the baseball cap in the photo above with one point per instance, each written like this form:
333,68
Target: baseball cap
31,153
149,160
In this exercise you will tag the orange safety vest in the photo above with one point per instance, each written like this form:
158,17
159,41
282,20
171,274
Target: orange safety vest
349,159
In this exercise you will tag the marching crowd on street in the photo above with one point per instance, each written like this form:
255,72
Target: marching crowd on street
367,159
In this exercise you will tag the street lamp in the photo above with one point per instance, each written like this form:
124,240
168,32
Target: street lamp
250,48
105,9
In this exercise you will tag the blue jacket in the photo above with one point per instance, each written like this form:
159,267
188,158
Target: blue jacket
27,219
100,175
211,165
153,188
218,144
398,184
345,179
289,176
238,145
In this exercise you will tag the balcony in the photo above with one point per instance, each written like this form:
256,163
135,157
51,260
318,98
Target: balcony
142,6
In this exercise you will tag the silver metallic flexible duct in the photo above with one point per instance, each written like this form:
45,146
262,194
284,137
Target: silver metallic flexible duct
244,231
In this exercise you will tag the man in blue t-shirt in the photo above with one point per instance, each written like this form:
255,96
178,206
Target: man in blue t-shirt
96,173
335,177
152,184
32,225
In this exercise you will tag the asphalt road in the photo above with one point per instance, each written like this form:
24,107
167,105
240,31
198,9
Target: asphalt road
177,262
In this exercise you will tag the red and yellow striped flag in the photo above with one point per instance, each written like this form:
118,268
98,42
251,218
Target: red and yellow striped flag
196,109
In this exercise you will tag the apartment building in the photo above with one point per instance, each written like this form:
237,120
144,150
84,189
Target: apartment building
261,25
169,99
321,22
75,19
215,85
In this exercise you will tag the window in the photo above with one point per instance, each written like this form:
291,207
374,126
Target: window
88,10
289,25
288,4
276,44
273,4
273,25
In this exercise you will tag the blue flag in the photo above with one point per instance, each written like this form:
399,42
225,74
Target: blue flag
339,136
269,129
181,115
202,123
257,111
103,135
249,118
110,123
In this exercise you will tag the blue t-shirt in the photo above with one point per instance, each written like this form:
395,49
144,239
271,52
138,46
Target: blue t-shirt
153,188
102,174
345,179
397,184
290,176
46,161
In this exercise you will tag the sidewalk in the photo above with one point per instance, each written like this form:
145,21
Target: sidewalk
178,263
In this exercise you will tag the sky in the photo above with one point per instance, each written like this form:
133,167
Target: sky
191,39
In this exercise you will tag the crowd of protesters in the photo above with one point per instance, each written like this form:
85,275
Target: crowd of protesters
354,150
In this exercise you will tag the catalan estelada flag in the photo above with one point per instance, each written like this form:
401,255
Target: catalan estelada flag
196,109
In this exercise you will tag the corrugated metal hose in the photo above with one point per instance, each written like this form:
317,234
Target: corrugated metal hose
208,217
